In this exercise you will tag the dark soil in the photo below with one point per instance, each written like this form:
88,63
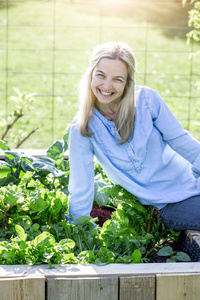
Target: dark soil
154,258
176,246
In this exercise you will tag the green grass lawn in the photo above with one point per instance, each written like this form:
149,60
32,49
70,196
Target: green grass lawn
49,44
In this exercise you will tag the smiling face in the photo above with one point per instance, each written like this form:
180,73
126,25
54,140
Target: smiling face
109,79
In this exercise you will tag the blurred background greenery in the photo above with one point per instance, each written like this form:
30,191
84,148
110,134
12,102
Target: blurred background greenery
45,47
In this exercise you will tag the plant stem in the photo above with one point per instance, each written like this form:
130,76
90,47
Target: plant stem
49,220
150,220
26,137
80,244
3,222
9,126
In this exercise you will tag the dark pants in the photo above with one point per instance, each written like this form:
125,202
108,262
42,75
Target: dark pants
182,215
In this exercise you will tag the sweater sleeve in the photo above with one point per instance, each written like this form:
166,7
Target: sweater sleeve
81,181
172,131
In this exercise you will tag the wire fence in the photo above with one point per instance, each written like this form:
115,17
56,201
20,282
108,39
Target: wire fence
45,46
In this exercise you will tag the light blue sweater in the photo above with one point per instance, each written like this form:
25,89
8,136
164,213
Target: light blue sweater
160,164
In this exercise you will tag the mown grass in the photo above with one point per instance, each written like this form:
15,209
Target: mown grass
51,64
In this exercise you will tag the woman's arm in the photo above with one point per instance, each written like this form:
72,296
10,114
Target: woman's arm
172,131
81,182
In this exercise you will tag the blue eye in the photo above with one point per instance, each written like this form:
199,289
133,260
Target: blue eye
118,79
100,75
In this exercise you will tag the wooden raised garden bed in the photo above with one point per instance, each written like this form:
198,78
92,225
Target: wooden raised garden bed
160,281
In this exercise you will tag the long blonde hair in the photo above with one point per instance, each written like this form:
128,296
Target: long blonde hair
124,119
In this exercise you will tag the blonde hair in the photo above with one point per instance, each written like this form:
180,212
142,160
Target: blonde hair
124,119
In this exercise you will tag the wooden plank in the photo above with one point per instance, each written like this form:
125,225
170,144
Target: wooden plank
22,288
82,288
32,152
91,270
197,240
29,152
178,287
137,287
194,235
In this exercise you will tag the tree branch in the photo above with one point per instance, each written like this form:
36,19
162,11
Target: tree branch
26,137
9,126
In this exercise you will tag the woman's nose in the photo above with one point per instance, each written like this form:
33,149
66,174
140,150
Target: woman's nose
107,84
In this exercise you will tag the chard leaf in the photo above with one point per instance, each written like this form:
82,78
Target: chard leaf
8,255
3,163
148,236
56,205
118,192
27,166
21,233
105,255
100,197
82,220
37,203
11,196
87,256
182,256
43,239
99,262
70,258
13,158
65,191
23,245
35,227
66,139
5,174
2,248
48,255
82,255
165,251
4,146
136,256
67,243
27,158
113,190
172,259
126,259
24,221
45,165
56,150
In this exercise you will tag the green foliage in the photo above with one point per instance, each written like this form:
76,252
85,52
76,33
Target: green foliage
51,172
100,197
33,206
194,21
173,255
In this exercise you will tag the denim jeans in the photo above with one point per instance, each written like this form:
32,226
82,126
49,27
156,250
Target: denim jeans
182,215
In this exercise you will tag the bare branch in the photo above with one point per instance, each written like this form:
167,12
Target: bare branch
9,126
26,137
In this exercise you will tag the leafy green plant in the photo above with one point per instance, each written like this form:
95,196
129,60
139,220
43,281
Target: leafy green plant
194,20
30,203
194,23
49,171
42,249
34,202
174,256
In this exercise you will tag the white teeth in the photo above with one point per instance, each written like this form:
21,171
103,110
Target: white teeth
106,94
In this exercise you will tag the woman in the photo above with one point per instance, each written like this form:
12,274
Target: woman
137,140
